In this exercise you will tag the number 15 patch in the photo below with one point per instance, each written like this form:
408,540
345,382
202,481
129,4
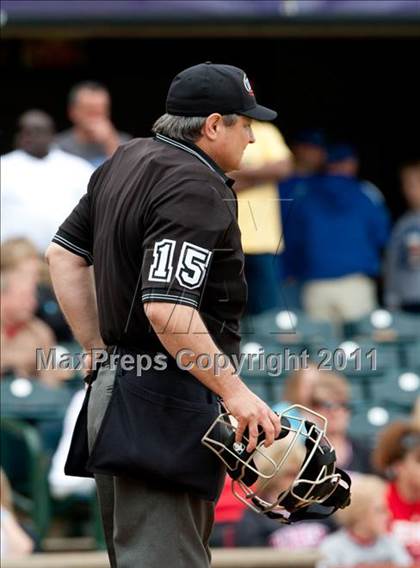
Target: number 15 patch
191,267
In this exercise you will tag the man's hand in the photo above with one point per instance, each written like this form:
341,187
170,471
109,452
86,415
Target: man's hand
250,411
90,362
100,130
271,172
181,327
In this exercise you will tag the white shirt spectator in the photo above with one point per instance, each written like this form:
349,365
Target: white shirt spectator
63,485
38,193
339,549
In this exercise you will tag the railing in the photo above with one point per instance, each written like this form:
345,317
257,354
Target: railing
222,558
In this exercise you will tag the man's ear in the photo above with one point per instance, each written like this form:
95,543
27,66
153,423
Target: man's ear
212,126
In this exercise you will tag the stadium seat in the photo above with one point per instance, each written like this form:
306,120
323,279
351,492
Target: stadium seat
364,357
411,353
30,401
289,327
382,325
25,465
368,419
260,360
358,394
397,389
82,513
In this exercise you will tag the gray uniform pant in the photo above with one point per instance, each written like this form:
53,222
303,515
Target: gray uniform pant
144,526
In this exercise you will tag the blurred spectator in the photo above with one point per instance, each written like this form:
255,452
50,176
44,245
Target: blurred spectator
309,153
63,485
93,136
334,238
258,530
298,387
21,253
34,268
402,275
264,163
363,540
14,541
308,148
40,184
331,398
228,512
21,332
398,455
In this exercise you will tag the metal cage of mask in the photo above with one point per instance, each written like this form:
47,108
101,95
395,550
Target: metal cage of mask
318,489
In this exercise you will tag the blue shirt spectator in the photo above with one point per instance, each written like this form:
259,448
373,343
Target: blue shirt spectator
337,224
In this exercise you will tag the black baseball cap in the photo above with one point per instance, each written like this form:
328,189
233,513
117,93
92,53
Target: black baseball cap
210,87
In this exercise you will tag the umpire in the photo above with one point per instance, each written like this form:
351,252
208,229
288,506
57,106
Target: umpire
159,225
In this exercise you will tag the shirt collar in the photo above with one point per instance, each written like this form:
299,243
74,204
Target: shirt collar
199,154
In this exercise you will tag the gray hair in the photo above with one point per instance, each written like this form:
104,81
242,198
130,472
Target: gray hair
187,128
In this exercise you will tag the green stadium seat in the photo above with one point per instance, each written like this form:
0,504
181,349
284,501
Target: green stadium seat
369,419
382,325
267,387
355,358
411,354
398,389
359,362
289,327
266,365
30,401
358,394
26,465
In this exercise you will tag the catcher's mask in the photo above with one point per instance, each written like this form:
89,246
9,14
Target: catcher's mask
318,489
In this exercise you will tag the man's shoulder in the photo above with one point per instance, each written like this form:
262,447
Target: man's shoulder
13,157
371,192
177,164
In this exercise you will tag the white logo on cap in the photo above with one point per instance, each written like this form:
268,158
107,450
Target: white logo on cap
247,85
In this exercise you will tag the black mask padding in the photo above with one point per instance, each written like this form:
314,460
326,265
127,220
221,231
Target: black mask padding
323,456
237,469
337,500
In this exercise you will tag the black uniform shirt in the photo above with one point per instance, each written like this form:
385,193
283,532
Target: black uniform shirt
162,207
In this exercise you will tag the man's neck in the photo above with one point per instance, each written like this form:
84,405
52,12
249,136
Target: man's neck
205,147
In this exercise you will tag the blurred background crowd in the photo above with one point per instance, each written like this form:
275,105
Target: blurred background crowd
329,211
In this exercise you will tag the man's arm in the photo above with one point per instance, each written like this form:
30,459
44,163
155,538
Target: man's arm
74,287
181,327
270,172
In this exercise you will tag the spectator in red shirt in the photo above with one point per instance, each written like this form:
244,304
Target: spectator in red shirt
398,455
228,512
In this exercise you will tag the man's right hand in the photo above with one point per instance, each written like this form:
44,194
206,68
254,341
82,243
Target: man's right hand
251,412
